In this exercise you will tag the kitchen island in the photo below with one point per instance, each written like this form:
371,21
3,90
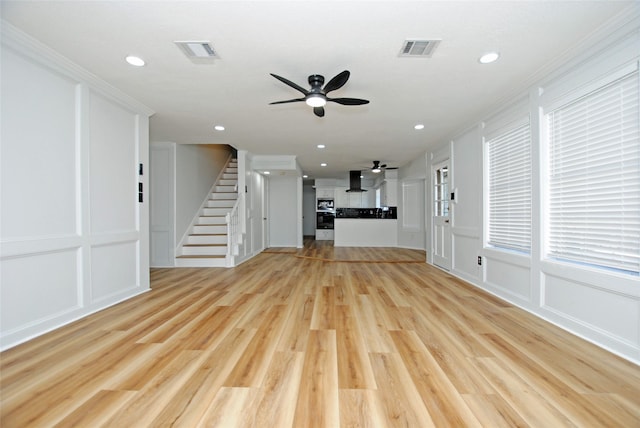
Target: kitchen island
365,232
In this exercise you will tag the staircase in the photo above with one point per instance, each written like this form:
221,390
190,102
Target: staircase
206,244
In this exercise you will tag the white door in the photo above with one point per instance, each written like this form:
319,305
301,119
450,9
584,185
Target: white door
441,225
265,213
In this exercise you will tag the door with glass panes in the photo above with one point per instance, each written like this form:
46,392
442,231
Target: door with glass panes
441,224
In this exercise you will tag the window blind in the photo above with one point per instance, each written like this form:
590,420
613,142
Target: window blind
594,178
509,166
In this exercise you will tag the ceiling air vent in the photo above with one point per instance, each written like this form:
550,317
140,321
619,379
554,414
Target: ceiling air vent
197,49
419,48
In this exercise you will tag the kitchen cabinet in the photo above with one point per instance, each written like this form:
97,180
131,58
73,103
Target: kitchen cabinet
367,232
346,199
325,193
342,197
324,235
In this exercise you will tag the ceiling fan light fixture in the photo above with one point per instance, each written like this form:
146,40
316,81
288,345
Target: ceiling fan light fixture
376,170
316,100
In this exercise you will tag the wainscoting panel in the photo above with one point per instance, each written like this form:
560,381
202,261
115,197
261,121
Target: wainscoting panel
113,169
39,166
464,242
611,313
113,270
48,287
73,237
508,275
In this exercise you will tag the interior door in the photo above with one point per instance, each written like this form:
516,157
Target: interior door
265,213
441,224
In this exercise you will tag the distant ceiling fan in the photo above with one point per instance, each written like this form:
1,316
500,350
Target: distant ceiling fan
316,97
377,168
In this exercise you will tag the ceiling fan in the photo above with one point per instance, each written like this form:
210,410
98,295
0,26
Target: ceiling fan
377,168
316,97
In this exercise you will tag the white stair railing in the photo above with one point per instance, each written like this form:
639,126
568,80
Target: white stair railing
233,231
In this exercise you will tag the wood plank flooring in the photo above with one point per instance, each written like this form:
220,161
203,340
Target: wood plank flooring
319,337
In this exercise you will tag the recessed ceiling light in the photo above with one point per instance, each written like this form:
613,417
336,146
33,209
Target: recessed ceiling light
219,128
267,172
134,60
323,164
489,57
419,126
305,176
361,176
321,146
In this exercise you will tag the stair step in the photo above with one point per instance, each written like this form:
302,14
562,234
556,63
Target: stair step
216,229
228,182
229,170
200,257
220,203
201,261
204,250
211,220
223,195
215,211
206,239
228,176
225,189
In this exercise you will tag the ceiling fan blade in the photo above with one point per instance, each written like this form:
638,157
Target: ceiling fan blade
391,167
287,101
290,83
384,165
318,111
337,82
349,101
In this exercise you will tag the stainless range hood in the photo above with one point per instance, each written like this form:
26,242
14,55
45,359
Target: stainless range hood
355,182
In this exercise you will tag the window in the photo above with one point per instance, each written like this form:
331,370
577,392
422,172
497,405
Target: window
594,178
441,192
509,167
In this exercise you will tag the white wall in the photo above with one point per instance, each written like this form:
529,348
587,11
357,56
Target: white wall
601,306
465,213
411,204
197,167
73,237
162,187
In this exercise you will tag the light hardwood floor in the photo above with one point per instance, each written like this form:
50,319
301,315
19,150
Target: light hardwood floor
321,337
